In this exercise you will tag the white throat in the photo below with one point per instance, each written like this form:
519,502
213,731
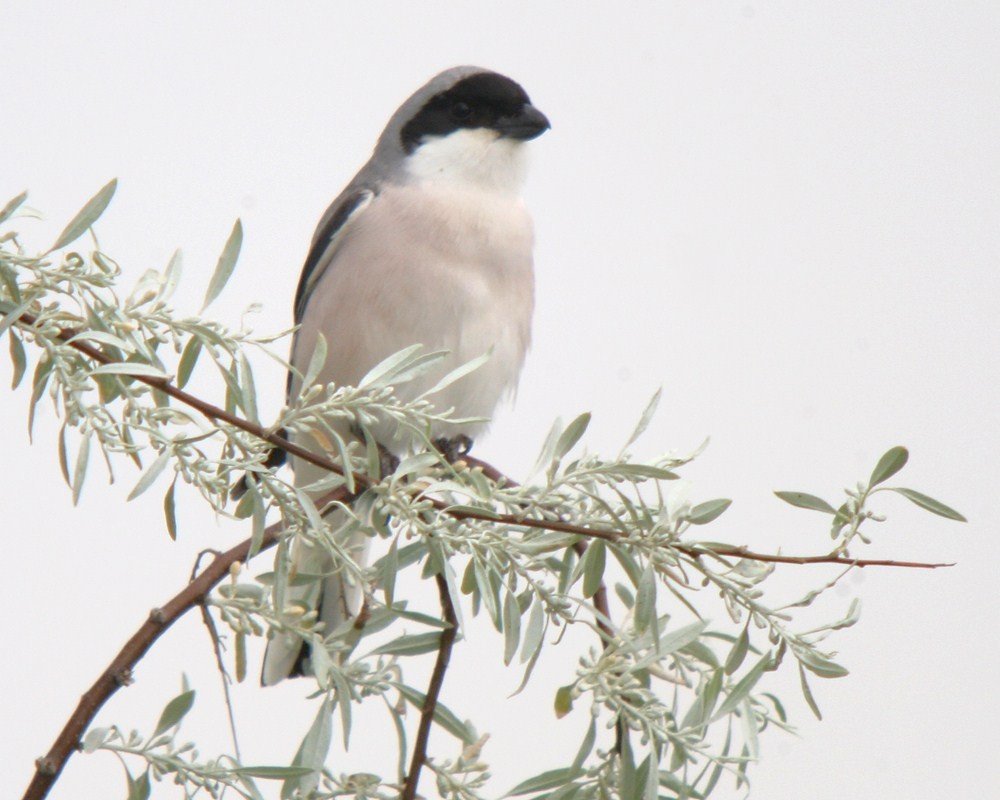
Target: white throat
472,159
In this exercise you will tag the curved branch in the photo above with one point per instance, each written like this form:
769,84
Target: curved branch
119,671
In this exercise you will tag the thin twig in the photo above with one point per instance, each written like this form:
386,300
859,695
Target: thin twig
433,690
213,633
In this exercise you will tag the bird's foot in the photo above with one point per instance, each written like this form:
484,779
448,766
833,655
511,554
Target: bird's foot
453,448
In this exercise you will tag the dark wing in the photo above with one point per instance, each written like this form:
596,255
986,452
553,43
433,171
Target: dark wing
330,231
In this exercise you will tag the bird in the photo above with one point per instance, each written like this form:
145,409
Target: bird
430,243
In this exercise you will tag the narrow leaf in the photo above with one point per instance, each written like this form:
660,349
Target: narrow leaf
12,206
929,504
130,368
704,513
552,779
738,652
226,264
644,420
571,435
805,500
188,360
18,358
311,753
174,711
87,216
807,693
150,475
410,645
593,567
645,600
892,461
80,470
511,627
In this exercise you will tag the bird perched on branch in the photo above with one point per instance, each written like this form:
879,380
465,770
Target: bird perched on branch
429,244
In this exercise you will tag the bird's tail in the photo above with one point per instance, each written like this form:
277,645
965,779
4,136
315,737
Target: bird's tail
338,596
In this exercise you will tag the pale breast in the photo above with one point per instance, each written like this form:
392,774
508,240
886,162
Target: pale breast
442,267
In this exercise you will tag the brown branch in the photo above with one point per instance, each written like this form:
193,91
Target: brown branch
119,671
433,690
214,412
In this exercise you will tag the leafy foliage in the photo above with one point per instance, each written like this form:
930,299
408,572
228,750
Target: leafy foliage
676,701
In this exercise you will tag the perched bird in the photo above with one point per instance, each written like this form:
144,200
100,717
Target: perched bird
429,244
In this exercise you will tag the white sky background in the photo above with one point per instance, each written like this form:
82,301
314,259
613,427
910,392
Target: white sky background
785,214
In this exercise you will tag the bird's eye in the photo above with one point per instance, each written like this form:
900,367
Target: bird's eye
461,111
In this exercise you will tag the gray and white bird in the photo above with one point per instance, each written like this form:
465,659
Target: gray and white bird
429,244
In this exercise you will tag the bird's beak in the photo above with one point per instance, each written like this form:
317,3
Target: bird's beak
526,124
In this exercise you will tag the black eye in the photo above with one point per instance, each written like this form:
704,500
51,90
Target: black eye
461,111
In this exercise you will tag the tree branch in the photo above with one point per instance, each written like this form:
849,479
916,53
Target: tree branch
119,671
214,412
433,690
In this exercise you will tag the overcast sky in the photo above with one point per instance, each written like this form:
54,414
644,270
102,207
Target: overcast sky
785,214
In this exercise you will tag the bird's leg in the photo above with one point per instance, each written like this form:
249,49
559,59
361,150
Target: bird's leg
454,447
387,461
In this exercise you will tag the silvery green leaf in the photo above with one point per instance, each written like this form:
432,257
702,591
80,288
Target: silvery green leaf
571,435
150,475
643,471
311,753
12,206
18,358
807,693
271,773
316,361
624,595
410,645
225,265
188,360
343,701
738,651
458,372
103,338
680,637
511,627
743,688
248,390
586,746
453,593
400,367
172,274
443,716
128,368
64,456
94,738
644,420
80,470
13,315
259,521
929,504
39,380
534,632
820,666
389,570
401,612
138,788
805,500
704,513
645,600
174,711
87,216
891,462
593,563
552,779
